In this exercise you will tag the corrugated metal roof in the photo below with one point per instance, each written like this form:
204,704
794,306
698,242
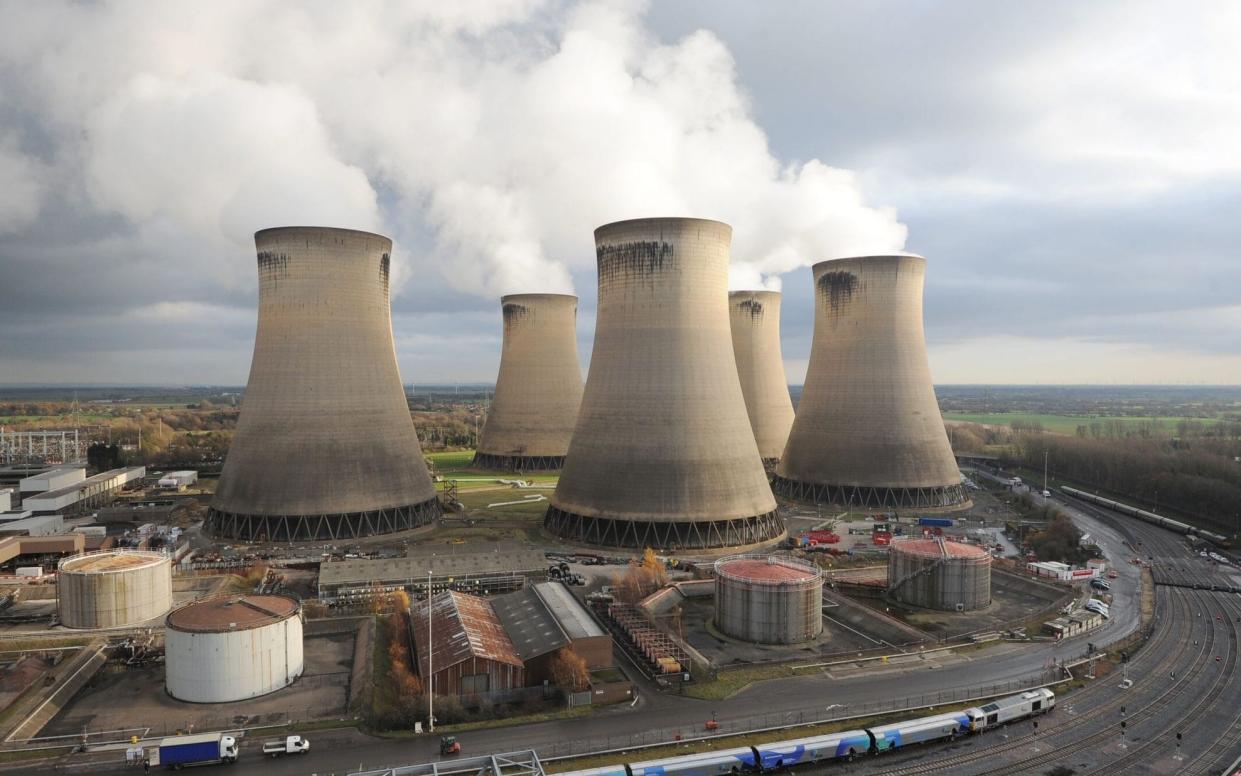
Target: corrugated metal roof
462,626
568,611
386,570
529,623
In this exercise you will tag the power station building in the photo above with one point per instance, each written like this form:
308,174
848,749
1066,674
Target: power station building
325,446
663,454
755,320
868,431
539,388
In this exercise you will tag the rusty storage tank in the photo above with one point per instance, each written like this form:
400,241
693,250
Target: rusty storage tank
663,454
868,431
231,648
539,388
113,588
755,319
769,599
939,574
325,446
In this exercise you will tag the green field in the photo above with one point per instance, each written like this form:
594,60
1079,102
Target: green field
1066,424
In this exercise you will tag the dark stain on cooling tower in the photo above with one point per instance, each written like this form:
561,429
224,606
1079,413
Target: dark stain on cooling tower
641,258
753,307
836,288
513,313
385,266
272,264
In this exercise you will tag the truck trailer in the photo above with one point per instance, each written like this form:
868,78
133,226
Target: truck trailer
180,751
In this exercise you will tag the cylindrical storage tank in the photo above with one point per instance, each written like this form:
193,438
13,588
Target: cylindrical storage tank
539,387
769,599
939,574
755,319
233,647
663,454
113,589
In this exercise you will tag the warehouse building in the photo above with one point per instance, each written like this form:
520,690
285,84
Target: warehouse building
38,525
51,479
6,499
80,496
179,480
484,573
465,650
544,618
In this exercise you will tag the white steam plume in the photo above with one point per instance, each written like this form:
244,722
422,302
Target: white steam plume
502,131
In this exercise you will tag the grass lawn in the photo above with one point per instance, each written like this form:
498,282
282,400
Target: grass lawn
1063,424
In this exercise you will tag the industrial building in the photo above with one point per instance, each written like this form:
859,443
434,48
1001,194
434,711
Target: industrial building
868,431
539,388
12,547
179,480
544,618
232,648
34,525
466,651
51,479
770,599
325,446
83,494
755,320
485,573
939,574
663,454
113,589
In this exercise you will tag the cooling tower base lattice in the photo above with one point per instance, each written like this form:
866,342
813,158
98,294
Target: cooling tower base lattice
296,528
519,463
871,497
696,535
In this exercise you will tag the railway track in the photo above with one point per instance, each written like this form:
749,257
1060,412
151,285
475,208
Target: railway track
1179,601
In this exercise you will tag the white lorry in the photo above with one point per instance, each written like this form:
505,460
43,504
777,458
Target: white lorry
287,745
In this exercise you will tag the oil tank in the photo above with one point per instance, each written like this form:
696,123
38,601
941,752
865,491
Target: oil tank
755,320
663,454
939,574
231,648
868,431
325,446
768,599
539,388
113,588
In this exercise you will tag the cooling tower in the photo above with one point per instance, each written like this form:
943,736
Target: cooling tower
539,388
755,318
663,454
325,447
868,432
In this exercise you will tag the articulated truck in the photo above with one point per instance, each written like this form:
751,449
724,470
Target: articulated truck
179,751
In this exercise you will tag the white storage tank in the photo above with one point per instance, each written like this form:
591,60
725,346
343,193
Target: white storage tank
233,647
113,589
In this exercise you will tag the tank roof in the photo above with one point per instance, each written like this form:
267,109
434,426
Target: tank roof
103,562
230,613
933,548
767,571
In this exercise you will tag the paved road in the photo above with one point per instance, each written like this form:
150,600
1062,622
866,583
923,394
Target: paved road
657,716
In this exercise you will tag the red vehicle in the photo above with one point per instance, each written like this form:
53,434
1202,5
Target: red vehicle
881,538
821,537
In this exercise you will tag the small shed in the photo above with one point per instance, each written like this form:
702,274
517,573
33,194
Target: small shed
469,651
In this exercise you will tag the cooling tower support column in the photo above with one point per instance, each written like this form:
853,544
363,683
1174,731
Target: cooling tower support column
868,431
755,318
539,388
325,447
663,454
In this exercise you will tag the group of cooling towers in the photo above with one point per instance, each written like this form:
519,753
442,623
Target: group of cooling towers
672,441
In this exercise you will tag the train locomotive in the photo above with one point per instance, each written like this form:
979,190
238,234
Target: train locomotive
846,745
1150,517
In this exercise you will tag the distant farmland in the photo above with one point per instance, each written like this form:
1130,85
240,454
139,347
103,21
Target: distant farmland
1067,424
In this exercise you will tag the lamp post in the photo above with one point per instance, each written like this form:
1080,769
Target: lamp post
430,668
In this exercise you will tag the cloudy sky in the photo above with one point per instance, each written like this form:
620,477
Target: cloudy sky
1071,171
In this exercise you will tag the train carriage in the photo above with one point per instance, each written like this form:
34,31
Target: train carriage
1004,710
725,761
782,754
921,730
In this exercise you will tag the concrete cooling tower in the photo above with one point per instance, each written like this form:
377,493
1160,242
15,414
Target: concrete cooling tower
868,432
663,454
325,447
755,318
539,388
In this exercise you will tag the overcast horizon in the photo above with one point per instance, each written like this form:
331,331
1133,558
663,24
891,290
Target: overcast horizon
1070,171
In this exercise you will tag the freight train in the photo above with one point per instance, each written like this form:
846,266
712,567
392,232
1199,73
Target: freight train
1150,517
778,755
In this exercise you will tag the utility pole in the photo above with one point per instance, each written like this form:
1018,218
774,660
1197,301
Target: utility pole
430,669
1045,454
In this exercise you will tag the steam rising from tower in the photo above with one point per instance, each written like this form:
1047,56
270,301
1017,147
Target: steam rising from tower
663,454
325,447
868,431
755,318
539,388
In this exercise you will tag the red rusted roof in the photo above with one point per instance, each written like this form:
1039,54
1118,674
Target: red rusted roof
462,626
764,571
931,547
215,615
